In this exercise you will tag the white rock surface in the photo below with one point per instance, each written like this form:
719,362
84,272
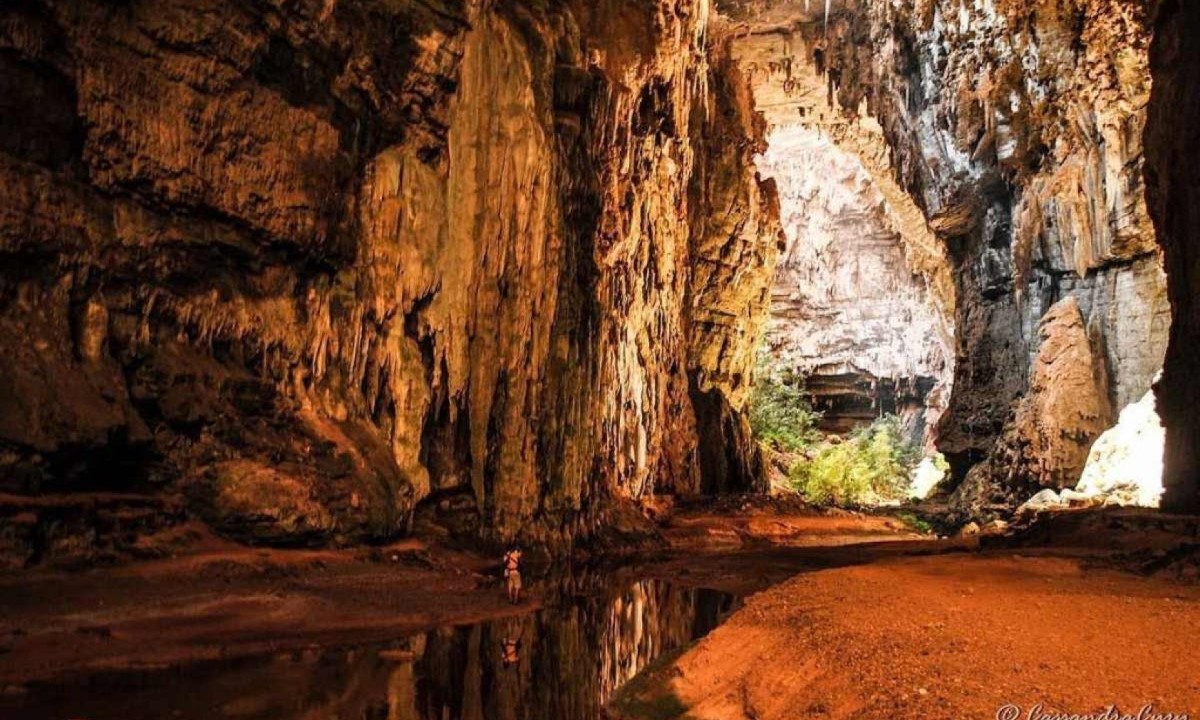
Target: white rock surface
1125,464
1044,500
925,478
845,298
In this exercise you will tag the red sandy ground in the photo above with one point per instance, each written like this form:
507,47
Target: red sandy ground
947,636
871,631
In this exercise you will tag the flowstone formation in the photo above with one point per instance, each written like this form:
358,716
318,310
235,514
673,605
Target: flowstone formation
311,266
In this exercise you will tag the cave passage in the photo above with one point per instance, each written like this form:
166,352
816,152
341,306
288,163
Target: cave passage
988,273
311,312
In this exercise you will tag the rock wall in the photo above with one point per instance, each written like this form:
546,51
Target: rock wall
736,238
1173,190
309,264
1017,128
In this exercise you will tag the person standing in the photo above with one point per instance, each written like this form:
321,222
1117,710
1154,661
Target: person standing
512,574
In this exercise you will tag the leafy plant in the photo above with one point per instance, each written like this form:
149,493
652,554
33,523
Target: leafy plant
918,524
780,414
872,464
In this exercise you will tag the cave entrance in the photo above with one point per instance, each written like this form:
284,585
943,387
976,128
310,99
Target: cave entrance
862,306
851,313
1057,276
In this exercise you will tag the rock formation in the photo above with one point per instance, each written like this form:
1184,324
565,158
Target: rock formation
309,264
1016,128
1067,407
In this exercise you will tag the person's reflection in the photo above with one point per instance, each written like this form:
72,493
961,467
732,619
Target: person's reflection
510,647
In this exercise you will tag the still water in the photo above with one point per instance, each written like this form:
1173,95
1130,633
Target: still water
562,662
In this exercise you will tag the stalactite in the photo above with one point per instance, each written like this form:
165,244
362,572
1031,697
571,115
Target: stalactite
490,225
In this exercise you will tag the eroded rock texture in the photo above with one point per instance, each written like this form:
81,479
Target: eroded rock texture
1017,129
1065,409
359,254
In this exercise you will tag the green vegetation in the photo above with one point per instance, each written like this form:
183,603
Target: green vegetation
780,414
871,465
918,524
874,464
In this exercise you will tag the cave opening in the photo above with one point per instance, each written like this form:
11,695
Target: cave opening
850,314
862,311
960,249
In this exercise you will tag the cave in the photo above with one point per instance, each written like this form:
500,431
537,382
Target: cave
599,359
861,306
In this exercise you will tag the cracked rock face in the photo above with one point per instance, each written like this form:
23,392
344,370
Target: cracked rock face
364,254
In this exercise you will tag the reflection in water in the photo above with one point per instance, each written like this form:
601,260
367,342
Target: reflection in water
560,663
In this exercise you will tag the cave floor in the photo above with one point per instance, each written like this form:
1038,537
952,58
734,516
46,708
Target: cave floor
846,615
969,635
218,599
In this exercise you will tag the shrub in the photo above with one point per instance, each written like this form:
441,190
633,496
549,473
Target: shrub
780,414
872,465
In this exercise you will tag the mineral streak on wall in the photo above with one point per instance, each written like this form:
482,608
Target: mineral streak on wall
306,265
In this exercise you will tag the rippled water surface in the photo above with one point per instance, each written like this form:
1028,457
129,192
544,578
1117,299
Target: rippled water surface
559,663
